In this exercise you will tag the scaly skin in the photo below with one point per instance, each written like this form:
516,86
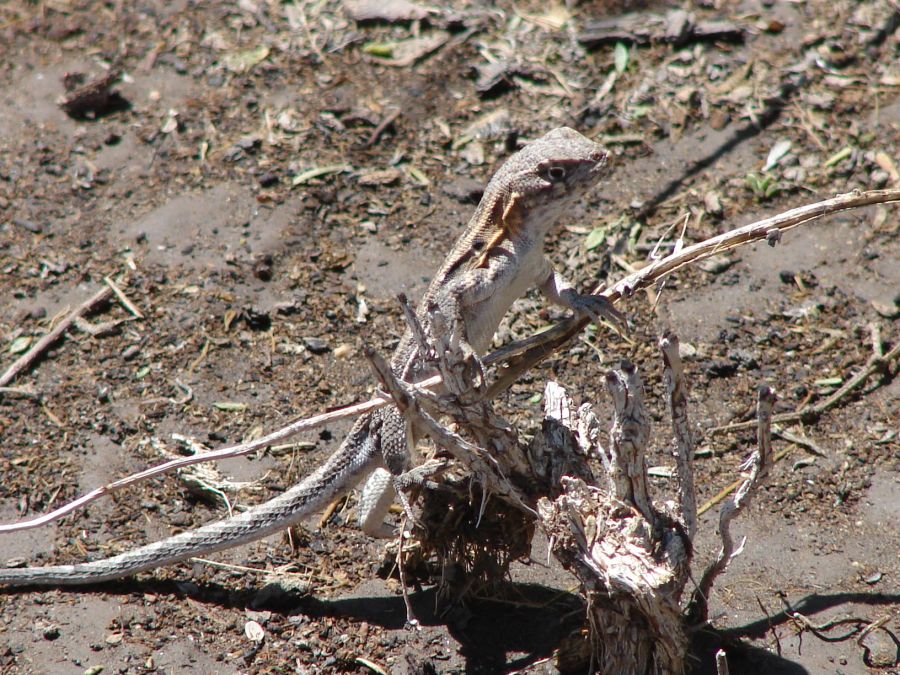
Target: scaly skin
496,259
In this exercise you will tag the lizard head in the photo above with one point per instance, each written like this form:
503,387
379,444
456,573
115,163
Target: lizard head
539,181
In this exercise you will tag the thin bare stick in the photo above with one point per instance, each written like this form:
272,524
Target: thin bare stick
759,464
411,620
684,442
41,345
877,363
244,568
721,663
126,303
387,121
21,392
720,497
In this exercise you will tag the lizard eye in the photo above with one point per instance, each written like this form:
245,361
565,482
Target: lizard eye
556,174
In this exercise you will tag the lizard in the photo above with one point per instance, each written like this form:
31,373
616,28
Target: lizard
497,258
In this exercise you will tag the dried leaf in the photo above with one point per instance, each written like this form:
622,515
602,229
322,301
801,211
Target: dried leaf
371,665
407,52
779,150
492,125
20,344
887,310
595,238
289,120
553,19
383,50
884,161
228,319
230,406
380,177
241,62
171,123
713,204
254,631
418,175
308,175
839,157
342,351
390,11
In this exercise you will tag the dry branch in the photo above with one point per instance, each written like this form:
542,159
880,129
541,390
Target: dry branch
41,345
631,556
877,363
631,559
759,464
684,441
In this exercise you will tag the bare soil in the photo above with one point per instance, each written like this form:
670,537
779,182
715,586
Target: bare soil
260,284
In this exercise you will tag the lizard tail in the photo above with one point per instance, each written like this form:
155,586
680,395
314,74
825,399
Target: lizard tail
356,457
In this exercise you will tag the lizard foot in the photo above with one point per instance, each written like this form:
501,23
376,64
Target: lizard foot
418,476
596,307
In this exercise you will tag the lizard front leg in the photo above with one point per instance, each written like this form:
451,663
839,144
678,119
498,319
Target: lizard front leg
557,289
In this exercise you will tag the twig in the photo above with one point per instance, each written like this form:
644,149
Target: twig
126,303
628,439
97,329
759,463
411,620
330,509
877,363
309,35
388,120
41,345
244,568
188,393
770,623
204,350
20,392
861,627
721,663
781,454
684,442
799,440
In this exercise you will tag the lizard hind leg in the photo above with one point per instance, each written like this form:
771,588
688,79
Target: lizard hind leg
383,487
374,501
379,491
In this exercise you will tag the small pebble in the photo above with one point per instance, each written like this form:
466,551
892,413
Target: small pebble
315,345
713,204
130,352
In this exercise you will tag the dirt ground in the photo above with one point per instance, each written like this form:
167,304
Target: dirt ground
269,175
